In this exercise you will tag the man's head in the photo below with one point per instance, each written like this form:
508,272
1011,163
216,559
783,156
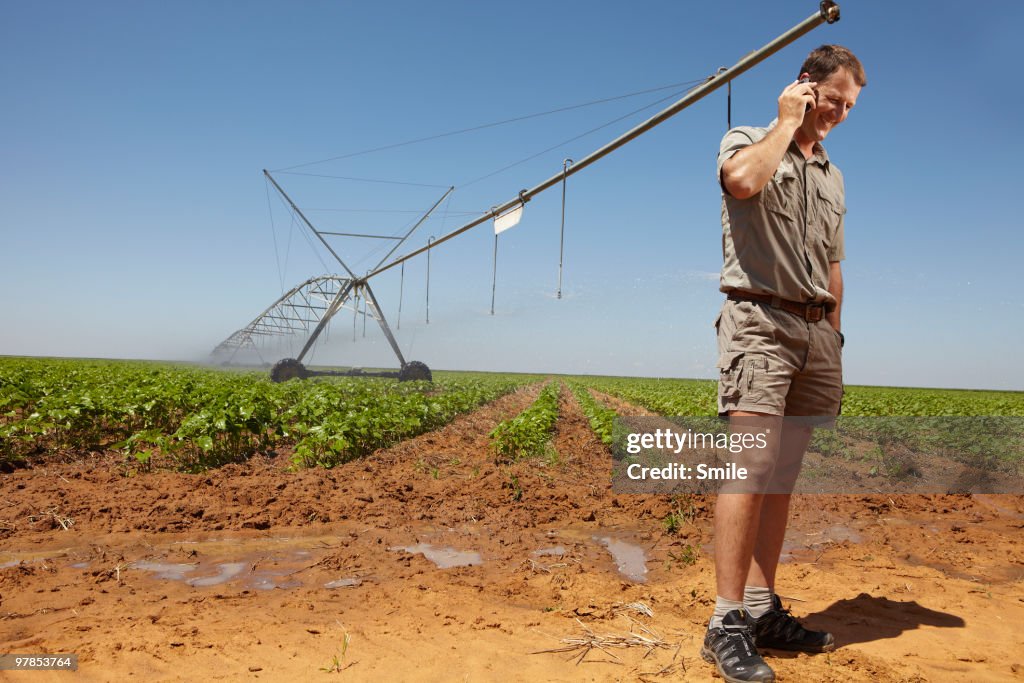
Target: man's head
839,76
827,59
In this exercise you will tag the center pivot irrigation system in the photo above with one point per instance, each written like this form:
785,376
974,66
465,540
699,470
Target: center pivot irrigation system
317,300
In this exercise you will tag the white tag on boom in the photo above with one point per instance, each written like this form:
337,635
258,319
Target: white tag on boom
507,220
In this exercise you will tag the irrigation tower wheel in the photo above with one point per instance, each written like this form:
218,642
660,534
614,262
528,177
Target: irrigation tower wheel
415,370
286,369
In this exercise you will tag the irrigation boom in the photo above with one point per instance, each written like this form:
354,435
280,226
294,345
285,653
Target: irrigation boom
828,12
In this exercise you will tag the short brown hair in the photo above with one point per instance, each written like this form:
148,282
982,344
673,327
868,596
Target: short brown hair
827,59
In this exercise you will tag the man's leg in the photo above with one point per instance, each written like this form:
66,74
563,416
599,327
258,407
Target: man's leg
729,642
771,531
740,515
737,518
774,626
774,517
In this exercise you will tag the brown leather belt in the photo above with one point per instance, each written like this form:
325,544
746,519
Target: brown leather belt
812,312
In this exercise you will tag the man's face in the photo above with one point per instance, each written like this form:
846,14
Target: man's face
836,96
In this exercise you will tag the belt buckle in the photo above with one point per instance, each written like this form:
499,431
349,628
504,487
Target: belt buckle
814,313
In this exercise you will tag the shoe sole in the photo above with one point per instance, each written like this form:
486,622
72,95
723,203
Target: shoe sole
709,657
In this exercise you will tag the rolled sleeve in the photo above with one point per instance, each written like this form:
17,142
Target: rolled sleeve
735,140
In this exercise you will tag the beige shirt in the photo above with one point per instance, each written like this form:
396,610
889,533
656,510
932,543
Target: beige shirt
781,240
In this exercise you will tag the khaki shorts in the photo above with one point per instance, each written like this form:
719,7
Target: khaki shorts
774,362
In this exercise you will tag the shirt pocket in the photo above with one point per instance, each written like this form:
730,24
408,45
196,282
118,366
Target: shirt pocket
828,214
780,193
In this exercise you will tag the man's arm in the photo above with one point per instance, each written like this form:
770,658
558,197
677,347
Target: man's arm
835,288
750,169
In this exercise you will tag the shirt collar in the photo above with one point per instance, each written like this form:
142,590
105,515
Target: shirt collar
820,156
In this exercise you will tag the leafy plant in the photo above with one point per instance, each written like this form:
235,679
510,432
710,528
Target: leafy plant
528,433
684,512
687,556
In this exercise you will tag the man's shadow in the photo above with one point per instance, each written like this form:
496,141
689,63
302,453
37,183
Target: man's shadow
866,618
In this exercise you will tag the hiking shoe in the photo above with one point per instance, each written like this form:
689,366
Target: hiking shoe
731,649
777,629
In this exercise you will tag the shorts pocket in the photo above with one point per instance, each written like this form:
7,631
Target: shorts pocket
753,375
730,369
741,376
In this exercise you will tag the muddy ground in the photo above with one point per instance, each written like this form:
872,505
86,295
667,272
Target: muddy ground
428,561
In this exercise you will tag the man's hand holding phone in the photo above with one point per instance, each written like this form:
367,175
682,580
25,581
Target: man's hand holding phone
797,99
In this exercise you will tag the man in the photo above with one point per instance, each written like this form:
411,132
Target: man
779,343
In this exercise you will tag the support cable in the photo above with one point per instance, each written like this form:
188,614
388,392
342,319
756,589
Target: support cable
415,211
273,233
572,139
566,163
361,180
294,217
489,125
312,246
401,286
494,273
728,99
429,241
728,109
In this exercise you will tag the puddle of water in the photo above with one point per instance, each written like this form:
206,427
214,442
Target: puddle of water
228,570
630,559
557,551
343,583
800,546
262,579
267,581
444,558
165,570
13,558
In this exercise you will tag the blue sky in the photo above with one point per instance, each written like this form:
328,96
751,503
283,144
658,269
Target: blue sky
134,217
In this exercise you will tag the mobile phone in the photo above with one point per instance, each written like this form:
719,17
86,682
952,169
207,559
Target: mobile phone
806,79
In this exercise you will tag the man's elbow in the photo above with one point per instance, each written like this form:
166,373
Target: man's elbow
737,185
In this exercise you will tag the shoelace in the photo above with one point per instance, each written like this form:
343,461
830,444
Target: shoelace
786,625
742,634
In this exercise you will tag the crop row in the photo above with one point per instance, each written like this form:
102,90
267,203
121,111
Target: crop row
201,417
977,428
528,433
661,396
688,397
601,418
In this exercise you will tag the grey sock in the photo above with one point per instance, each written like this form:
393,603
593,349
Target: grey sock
757,600
722,607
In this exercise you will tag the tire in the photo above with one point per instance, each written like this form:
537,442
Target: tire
287,369
414,371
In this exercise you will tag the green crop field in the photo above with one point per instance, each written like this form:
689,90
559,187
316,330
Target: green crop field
198,418
192,418
697,397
